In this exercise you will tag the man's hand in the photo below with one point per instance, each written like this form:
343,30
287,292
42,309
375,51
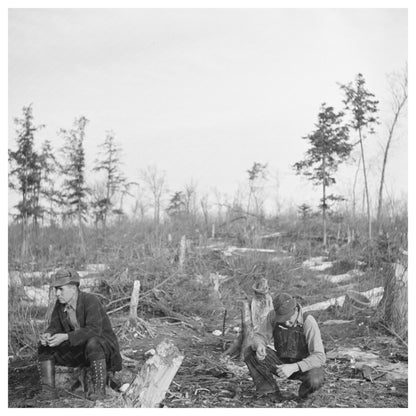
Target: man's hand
261,352
286,370
45,338
57,339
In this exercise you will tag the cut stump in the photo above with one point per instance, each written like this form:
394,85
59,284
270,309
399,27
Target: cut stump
149,387
252,315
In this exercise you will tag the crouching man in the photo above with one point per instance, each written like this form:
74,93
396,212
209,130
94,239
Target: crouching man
299,353
79,334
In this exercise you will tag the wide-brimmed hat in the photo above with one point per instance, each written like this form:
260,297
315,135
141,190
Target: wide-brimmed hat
284,307
65,277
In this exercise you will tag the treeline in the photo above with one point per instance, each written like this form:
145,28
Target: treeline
53,189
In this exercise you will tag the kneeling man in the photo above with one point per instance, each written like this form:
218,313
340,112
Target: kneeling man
299,353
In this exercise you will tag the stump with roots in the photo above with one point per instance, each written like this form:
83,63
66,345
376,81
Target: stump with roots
393,309
252,315
136,326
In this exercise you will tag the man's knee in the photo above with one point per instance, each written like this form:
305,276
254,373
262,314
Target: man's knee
249,354
93,344
94,350
315,377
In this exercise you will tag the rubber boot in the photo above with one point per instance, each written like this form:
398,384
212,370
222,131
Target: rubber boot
47,380
99,377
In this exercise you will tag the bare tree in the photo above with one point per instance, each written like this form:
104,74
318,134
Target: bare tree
115,181
190,197
398,88
156,183
256,176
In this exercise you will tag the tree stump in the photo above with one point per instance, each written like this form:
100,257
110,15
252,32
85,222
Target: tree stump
252,315
134,301
393,308
149,387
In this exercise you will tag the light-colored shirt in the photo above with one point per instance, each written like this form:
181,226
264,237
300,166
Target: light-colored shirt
316,357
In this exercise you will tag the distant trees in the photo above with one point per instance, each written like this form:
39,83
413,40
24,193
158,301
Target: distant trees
25,174
363,108
329,146
177,205
114,179
49,191
156,183
256,174
74,190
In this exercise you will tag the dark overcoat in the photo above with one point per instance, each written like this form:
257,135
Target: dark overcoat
93,321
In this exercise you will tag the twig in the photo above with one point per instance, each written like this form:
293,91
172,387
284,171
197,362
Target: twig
223,322
78,397
118,309
395,334
118,300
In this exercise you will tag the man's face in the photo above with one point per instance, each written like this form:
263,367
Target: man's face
291,321
65,293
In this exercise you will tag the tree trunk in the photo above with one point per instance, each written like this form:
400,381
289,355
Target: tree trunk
247,327
354,203
134,301
383,170
367,195
252,315
81,236
324,213
149,387
393,307
182,252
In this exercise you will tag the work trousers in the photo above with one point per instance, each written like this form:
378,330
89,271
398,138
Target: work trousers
69,356
262,373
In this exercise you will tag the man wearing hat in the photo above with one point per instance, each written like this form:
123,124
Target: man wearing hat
79,334
298,350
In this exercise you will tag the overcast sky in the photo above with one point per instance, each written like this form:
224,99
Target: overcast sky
203,93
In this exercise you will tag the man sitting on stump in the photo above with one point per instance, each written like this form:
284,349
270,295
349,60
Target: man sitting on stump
299,353
79,334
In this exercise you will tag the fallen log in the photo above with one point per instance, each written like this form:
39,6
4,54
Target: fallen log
149,387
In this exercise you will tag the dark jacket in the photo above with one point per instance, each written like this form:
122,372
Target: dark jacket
93,321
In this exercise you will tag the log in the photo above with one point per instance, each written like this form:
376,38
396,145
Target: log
149,387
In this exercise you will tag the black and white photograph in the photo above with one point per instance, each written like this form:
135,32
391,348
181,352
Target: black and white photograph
207,205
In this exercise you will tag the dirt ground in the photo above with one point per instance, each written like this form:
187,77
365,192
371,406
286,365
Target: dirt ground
205,380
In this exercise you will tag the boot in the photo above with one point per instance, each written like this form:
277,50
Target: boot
99,377
47,380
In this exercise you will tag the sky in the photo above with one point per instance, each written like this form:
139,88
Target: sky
204,93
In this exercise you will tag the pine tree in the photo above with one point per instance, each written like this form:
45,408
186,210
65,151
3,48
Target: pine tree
74,190
24,174
328,148
363,107
48,190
